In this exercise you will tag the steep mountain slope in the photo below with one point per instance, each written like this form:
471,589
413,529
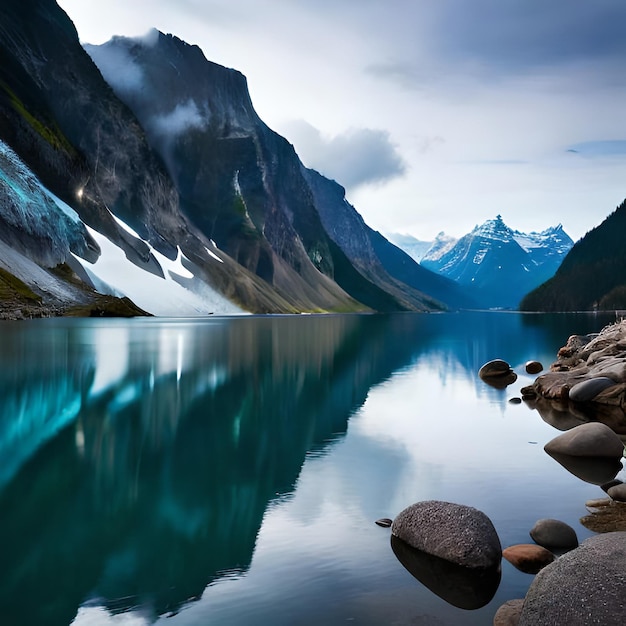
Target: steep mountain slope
240,183
498,264
374,255
592,275
66,124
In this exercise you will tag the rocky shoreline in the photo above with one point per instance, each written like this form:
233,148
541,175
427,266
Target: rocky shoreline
454,549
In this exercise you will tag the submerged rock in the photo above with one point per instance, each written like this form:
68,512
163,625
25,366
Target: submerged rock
553,533
453,532
606,518
583,587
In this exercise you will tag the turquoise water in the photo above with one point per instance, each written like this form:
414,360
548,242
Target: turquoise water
230,470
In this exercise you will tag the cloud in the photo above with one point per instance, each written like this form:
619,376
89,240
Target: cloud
117,67
184,117
522,35
357,157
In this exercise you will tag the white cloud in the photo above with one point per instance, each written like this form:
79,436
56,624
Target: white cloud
117,67
185,116
359,156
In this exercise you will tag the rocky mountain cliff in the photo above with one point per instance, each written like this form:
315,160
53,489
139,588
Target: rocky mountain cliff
497,264
592,275
165,187
243,185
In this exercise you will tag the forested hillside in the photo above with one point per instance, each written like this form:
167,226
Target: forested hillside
592,275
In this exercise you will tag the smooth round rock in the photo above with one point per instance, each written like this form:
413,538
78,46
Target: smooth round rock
385,522
553,533
528,557
509,613
457,533
618,492
533,367
581,588
591,439
589,389
497,367
501,382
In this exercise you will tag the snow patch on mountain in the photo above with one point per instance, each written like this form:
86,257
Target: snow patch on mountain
162,297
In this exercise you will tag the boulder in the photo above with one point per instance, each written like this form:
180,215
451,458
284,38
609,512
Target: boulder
454,532
509,613
591,439
590,388
553,533
583,587
528,557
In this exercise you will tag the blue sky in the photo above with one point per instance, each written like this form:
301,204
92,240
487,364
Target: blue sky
435,115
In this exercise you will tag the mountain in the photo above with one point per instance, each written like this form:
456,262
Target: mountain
242,185
499,265
163,193
415,248
592,275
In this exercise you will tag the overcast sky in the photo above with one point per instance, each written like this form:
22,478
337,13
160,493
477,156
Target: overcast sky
434,114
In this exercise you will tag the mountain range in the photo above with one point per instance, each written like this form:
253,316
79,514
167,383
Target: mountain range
496,264
138,177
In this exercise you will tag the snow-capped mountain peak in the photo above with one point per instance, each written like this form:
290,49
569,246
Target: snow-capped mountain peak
500,263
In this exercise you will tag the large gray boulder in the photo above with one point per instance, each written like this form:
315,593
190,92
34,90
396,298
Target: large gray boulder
454,532
583,587
591,439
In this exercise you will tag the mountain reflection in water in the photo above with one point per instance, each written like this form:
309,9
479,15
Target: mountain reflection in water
139,457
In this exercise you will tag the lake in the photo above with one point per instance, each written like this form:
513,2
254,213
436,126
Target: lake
230,471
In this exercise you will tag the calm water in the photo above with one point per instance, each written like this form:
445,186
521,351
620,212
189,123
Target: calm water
230,471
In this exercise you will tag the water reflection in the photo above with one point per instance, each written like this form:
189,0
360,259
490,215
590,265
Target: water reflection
464,587
139,458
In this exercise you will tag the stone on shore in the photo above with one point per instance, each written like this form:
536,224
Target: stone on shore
528,557
454,532
591,439
590,371
554,534
509,613
590,388
581,588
